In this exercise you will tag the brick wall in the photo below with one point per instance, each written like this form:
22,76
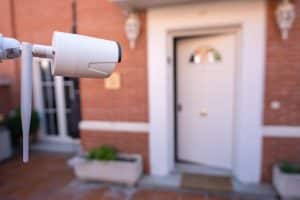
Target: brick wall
276,150
103,19
282,72
37,19
282,84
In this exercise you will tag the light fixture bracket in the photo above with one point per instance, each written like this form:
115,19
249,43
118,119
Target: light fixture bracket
132,28
285,17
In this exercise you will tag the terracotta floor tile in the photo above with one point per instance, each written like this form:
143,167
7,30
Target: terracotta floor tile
193,197
219,198
166,195
143,195
40,178
96,194
47,177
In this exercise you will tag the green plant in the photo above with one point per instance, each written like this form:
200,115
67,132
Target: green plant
13,123
104,152
289,168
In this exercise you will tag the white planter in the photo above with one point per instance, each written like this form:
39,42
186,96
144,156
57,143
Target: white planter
5,145
287,185
125,172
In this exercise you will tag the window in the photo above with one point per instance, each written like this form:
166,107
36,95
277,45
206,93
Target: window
205,55
48,90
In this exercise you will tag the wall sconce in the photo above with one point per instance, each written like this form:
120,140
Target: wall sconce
285,16
132,28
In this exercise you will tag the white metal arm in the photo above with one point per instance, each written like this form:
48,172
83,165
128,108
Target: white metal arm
11,49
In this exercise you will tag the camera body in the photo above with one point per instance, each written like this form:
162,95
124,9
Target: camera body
83,56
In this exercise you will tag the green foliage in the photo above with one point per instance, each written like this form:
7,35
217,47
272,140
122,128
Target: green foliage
289,168
13,123
104,152
217,56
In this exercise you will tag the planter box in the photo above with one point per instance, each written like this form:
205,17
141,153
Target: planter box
118,171
5,144
287,185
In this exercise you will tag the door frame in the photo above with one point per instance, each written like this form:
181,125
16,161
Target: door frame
250,16
62,136
188,34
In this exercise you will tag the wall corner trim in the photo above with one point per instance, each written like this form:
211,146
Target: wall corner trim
114,126
281,131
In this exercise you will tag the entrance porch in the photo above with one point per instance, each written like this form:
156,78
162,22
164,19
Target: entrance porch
47,176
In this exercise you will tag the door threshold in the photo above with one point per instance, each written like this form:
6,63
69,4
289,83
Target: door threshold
172,181
201,169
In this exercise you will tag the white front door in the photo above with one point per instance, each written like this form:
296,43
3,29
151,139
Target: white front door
205,99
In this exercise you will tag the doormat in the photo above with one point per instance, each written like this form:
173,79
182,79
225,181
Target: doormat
206,182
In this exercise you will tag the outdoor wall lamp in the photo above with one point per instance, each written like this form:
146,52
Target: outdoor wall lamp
132,28
73,55
285,16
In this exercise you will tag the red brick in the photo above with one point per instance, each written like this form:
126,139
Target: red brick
276,150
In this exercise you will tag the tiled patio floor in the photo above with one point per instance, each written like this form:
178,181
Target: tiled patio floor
47,177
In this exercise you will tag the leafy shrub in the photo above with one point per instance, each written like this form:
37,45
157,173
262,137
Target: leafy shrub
104,152
13,123
289,168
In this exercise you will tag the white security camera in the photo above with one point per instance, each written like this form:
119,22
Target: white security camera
82,56
73,55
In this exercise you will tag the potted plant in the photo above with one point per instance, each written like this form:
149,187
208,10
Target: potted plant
106,164
13,123
286,179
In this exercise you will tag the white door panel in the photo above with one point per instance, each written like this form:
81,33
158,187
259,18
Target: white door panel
205,92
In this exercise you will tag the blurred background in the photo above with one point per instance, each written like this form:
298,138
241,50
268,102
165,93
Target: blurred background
204,105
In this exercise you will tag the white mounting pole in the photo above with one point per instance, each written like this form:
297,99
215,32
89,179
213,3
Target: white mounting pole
26,95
